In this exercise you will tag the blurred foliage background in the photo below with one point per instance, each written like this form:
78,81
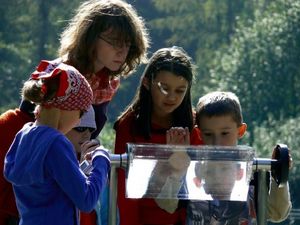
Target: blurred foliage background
249,47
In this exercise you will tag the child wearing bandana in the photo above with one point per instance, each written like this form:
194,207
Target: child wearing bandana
41,163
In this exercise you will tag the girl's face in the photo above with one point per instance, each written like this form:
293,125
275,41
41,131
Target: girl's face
168,91
110,52
79,137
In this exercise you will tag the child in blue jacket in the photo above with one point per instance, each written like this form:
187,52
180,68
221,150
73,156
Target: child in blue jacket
41,163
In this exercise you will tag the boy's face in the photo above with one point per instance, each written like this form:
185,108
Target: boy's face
220,178
220,130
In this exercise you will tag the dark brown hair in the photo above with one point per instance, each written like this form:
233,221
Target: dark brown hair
219,104
94,17
176,61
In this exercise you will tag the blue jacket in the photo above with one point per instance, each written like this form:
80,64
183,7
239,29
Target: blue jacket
48,184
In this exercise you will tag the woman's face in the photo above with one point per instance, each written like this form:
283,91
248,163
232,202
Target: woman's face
168,91
110,52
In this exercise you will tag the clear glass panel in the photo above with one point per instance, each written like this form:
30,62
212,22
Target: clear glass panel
189,172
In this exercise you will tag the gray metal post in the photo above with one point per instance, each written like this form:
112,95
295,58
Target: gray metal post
112,215
116,161
262,166
262,198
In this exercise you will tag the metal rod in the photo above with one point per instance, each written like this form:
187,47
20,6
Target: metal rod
262,164
113,188
262,193
116,161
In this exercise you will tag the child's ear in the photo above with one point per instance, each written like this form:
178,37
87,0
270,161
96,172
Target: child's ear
145,83
242,130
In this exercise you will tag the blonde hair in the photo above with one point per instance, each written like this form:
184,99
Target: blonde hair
78,40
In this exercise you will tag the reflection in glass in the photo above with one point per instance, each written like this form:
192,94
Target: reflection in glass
189,172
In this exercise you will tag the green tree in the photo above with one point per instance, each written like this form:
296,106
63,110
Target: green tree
202,28
285,131
29,32
262,64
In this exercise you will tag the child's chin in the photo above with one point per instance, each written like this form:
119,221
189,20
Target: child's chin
219,195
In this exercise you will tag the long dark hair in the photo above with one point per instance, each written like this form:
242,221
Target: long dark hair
176,61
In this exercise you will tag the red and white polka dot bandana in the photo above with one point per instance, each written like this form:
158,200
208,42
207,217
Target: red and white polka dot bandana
74,92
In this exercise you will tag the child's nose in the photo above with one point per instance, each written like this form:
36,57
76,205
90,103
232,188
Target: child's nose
172,96
86,134
216,140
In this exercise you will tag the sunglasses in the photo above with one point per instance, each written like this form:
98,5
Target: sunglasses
82,112
83,129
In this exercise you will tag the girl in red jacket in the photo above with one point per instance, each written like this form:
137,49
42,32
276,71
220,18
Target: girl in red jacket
162,101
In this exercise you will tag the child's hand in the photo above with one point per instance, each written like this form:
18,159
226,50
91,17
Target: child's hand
178,136
179,162
87,147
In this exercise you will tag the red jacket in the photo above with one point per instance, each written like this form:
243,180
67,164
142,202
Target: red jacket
144,211
10,123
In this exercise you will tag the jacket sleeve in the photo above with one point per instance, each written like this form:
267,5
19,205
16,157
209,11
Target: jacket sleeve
173,184
100,117
279,202
63,166
128,208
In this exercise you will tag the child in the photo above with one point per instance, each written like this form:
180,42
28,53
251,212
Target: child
105,39
219,118
80,137
160,103
41,162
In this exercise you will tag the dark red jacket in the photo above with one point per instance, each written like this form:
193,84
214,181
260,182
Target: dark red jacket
11,122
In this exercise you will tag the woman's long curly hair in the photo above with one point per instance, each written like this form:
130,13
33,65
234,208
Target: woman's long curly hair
78,40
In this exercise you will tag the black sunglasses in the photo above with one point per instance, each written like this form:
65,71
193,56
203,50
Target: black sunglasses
82,112
82,129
